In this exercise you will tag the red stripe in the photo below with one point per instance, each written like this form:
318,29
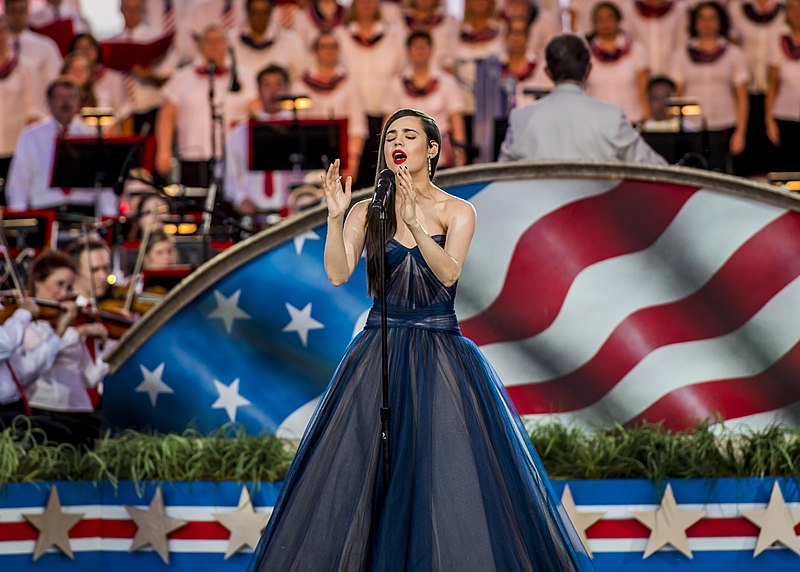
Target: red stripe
774,388
557,247
706,528
755,273
115,528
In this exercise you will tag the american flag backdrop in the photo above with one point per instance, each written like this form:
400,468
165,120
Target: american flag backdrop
598,300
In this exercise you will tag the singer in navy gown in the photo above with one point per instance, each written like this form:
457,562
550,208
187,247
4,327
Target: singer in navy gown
467,490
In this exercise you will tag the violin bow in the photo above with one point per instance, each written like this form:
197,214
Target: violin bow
12,270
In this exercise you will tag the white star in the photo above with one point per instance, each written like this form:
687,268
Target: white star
228,309
302,322
300,240
152,384
229,398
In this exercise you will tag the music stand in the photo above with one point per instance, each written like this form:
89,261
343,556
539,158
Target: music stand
305,144
82,162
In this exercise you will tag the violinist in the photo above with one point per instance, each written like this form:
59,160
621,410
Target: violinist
12,396
92,259
53,364
151,211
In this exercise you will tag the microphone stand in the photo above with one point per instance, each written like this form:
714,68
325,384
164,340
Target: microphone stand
385,411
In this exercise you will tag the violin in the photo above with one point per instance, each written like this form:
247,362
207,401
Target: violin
115,323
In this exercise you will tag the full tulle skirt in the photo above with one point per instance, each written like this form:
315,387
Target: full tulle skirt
467,490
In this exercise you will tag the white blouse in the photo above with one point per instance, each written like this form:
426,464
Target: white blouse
755,41
618,81
787,100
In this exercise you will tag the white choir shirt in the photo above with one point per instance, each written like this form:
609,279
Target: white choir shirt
188,90
440,103
110,91
712,84
306,28
618,81
373,67
755,41
281,47
240,183
546,27
28,185
466,56
12,332
56,372
536,80
659,36
154,14
17,106
444,36
44,60
342,102
47,14
146,95
787,100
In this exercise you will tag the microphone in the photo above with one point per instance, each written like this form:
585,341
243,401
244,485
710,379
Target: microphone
211,68
234,86
382,190
119,184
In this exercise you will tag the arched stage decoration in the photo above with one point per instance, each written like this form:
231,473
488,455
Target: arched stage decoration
600,292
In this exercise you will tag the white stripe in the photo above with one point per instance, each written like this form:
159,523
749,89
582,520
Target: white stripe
119,545
745,352
705,233
716,510
118,512
788,416
507,209
748,543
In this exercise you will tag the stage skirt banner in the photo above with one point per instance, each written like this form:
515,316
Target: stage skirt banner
601,294
205,526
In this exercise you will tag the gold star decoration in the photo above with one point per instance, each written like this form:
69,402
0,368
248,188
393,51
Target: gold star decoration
153,526
53,526
245,525
668,525
581,520
776,522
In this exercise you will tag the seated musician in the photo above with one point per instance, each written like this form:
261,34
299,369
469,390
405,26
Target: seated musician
28,185
251,192
92,260
54,364
151,210
160,251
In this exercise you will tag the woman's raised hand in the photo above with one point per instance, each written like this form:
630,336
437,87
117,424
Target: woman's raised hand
408,196
337,196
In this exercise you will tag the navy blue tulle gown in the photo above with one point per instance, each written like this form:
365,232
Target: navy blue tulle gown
467,490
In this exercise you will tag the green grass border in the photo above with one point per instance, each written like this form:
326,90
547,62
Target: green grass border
230,454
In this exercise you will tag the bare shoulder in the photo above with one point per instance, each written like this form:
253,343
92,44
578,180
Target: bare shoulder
455,206
359,209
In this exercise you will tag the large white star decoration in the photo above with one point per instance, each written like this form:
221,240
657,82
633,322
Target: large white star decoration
153,526
229,398
301,322
777,523
668,525
228,309
581,520
245,525
152,383
300,240
53,526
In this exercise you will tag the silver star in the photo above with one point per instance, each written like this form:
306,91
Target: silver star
301,322
153,526
245,525
228,309
152,384
300,240
229,398
53,526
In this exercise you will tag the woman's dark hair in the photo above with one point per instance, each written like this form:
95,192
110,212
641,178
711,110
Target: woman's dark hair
46,264
567,57
415,35
158,235
372,235
608,6
78,37
722,16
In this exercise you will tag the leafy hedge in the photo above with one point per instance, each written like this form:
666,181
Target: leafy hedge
648,451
